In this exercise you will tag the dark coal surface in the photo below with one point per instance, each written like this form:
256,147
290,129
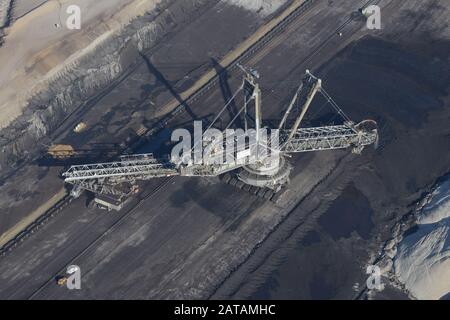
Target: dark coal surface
405,88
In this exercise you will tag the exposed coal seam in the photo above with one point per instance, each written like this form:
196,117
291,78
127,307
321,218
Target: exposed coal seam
229,288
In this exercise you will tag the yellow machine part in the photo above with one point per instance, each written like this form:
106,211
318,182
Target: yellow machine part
61,151
62,281
80,127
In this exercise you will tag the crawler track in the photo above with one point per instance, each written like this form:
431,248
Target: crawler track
67,122
267,41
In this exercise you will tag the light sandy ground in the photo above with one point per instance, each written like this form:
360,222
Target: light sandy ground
262,7
35,49
22,7
423,259
9,234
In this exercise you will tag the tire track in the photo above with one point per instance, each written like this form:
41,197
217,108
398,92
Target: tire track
116,224
70,120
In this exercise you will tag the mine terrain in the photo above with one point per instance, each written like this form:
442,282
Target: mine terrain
202,238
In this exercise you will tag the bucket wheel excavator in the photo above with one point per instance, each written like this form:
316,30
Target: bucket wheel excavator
260,165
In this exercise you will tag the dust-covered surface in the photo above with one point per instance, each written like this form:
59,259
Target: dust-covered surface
261,7
403,83
185,241
22,7
5,6
5,17
422,262
43,46
195,43
190,234
192,40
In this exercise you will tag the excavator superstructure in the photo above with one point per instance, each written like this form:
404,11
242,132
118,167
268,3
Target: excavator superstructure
260,161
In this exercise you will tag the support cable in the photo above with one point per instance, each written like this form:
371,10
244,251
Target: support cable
219,114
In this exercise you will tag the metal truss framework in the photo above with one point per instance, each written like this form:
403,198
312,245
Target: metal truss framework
327,138
144,166
141,166
101,177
